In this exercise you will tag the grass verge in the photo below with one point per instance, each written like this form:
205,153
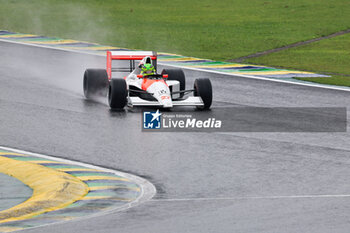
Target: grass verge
330,56
218,30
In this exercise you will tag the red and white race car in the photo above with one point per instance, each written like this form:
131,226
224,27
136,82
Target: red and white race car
163,90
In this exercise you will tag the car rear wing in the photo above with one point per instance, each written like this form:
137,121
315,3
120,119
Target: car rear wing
132,56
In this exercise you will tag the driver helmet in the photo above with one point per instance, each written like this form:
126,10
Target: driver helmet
147,69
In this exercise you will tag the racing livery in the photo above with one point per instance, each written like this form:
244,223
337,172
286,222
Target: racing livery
143,86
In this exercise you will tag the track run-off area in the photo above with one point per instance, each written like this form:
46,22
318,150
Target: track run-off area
206,182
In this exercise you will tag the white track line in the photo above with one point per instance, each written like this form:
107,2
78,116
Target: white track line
252,198
263,78
148,190
197,69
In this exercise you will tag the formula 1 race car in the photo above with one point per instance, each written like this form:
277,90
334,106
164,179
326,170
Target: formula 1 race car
138,88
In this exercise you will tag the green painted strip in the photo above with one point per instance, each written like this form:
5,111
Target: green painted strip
245,71
82,47
171,57
257,69
214,63
226,71
43,39
76,204
190,63
99,194
72,215
61,166
93,205
96,46
111,184
185,64
15,34
94,174
21,158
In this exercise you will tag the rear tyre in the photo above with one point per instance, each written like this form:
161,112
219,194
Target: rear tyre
203,89
178,75
95,83
117,94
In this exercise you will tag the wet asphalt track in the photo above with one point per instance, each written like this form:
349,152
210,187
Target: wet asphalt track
12,192
205,181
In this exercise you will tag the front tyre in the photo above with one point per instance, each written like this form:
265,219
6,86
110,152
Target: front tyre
95,83
203,89
117,94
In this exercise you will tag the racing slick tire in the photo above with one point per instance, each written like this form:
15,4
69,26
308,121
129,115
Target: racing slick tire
117,94
178,75
203,89
95,83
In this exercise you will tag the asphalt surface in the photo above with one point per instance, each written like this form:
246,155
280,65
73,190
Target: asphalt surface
12,192
207,182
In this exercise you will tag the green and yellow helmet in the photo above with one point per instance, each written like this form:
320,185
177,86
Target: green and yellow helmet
148,69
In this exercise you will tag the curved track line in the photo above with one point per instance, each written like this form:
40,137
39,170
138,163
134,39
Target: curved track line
340,88
254,198
52,190
146,189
